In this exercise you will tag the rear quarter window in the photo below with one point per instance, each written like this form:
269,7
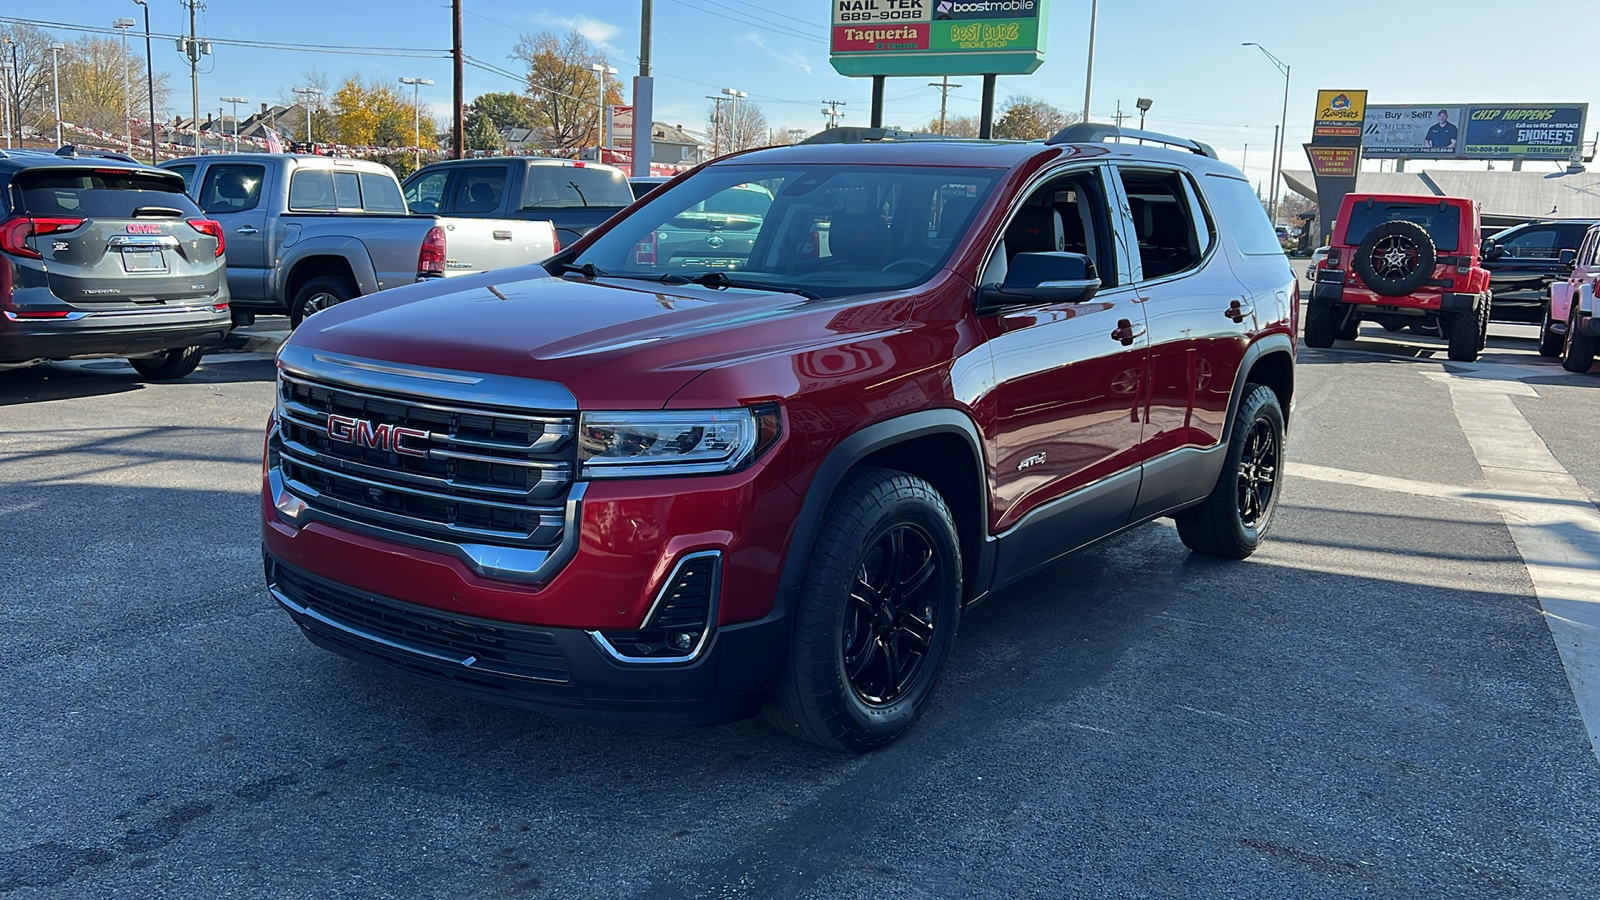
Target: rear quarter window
556,187
311,190
98,193
1238,212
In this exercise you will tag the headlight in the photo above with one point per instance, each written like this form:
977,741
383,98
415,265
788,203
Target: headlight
673,442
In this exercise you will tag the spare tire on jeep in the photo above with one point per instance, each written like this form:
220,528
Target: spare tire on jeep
1395,258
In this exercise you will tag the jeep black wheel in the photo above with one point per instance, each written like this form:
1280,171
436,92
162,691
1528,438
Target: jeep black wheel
1233,521
1320,326
1485,301
1551,342
1578,351
876,616
1462,330
168,364
1395,258
1350,328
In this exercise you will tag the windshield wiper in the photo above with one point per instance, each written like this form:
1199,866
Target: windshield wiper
579,191
720,280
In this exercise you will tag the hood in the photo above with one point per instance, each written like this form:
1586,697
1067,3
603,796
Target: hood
615,344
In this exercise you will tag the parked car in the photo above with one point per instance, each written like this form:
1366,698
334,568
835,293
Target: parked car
1317,256
631,489
644,184
573,194
308,232
716,233
102,256
1523,261
1568,329
1397,259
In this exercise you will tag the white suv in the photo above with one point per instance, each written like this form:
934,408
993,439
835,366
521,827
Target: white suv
1569,329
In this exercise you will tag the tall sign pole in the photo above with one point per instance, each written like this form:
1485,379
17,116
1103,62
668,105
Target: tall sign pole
1088,75
643,98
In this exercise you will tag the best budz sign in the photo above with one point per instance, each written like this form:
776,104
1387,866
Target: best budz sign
938,37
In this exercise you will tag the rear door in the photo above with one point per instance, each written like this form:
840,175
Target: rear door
233,194
119,235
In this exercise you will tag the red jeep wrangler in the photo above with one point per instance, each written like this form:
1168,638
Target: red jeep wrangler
1400,259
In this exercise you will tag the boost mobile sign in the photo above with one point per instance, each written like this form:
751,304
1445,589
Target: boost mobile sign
1455,131
938,37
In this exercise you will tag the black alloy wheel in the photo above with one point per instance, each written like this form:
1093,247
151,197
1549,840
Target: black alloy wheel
1258,474
890,624
1396,256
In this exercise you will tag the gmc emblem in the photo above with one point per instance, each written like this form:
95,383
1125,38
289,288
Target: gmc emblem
348,430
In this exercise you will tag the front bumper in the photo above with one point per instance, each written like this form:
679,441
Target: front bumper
135,333
561,672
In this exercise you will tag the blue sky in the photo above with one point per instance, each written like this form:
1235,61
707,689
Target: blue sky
1184,55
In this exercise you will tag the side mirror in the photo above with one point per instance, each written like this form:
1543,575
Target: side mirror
1568,258
1491,250
1033,278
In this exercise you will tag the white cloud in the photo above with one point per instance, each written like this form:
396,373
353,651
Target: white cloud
794,59
598,32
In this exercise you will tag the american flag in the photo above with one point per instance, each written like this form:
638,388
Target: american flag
274,145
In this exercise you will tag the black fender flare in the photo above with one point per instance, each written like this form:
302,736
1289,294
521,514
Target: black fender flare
852,450
1272,343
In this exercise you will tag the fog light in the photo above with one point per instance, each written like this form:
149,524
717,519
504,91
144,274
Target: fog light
681,640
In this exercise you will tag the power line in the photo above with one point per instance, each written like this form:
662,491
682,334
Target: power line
347,49
744,19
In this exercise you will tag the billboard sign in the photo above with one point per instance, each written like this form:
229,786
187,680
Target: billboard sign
1334,162
1339,114
1412,132
621,127
938,37
1506,132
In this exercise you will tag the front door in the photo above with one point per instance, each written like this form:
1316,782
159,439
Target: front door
1066,414
232,194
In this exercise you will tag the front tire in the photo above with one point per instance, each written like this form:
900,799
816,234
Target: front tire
876,617
168,365
318,294
1234,520
1577,354
1462,330
1551,342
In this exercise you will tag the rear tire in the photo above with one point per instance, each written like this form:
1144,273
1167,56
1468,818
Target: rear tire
869,645
319,294
1551,342
1485,311
1320,327
168,365
1350,329
1578,352
1233,521
1462,330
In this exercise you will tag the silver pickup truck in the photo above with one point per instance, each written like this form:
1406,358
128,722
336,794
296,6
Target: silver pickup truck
306,232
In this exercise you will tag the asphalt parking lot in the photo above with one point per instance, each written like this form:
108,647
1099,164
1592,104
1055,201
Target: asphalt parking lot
1377,704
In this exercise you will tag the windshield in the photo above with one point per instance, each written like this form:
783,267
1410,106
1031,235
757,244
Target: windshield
828,229
574,184
1443,225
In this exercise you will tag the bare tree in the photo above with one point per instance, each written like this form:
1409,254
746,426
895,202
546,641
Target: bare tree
93,91
956,126
1031,119
562,89
736,125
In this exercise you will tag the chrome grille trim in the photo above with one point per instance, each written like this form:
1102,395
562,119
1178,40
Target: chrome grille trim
441,485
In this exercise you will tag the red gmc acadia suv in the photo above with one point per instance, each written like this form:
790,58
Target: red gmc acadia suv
688,481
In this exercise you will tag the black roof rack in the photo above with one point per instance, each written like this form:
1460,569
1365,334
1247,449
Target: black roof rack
1094,133
856,135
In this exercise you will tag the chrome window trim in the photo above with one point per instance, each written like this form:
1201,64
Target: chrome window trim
711,615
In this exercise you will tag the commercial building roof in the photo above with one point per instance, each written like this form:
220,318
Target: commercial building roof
1505,197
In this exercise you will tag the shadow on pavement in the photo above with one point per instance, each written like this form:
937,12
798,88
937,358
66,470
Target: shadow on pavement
101,377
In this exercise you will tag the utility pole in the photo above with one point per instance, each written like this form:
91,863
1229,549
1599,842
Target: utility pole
1121,116
832,112
149,78
55,56
1088,75
458,134
644,98
945,87
193,49
716,124
122,25
6,75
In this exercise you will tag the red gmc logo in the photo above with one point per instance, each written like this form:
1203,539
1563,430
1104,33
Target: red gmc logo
348,430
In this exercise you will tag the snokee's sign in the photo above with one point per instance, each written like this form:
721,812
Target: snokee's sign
938,37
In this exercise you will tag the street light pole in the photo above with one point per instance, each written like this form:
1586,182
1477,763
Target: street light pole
235,101
1088,77
600,113
9,77
1283,129
149,78
122,25
55,68
733,118
308,93
416,109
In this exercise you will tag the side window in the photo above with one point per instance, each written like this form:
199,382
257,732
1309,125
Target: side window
1534,243
311,190
425,195
187,173
1068,213
1163,222
380,194
479,189
1197,208
347,191
232,188
1591,248
1239,211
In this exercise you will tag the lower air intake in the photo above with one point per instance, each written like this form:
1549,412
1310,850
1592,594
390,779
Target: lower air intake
680,621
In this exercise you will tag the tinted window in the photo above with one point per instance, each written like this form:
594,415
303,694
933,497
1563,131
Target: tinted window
185,172
1163,222
478,189
831,230
551,187
103,193
1534,243
232,188
380,194
1443,225
425,194
1239,213
311,190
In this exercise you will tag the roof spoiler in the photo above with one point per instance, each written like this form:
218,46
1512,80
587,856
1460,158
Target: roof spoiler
1094,133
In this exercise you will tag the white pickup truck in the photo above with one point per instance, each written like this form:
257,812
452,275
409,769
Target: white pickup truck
306,232
1569,330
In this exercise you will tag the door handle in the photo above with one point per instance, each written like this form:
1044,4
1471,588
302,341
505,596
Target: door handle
247,229
1127,332
502,235
1237,311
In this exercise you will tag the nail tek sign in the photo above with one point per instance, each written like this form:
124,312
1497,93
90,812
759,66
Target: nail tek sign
938,37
